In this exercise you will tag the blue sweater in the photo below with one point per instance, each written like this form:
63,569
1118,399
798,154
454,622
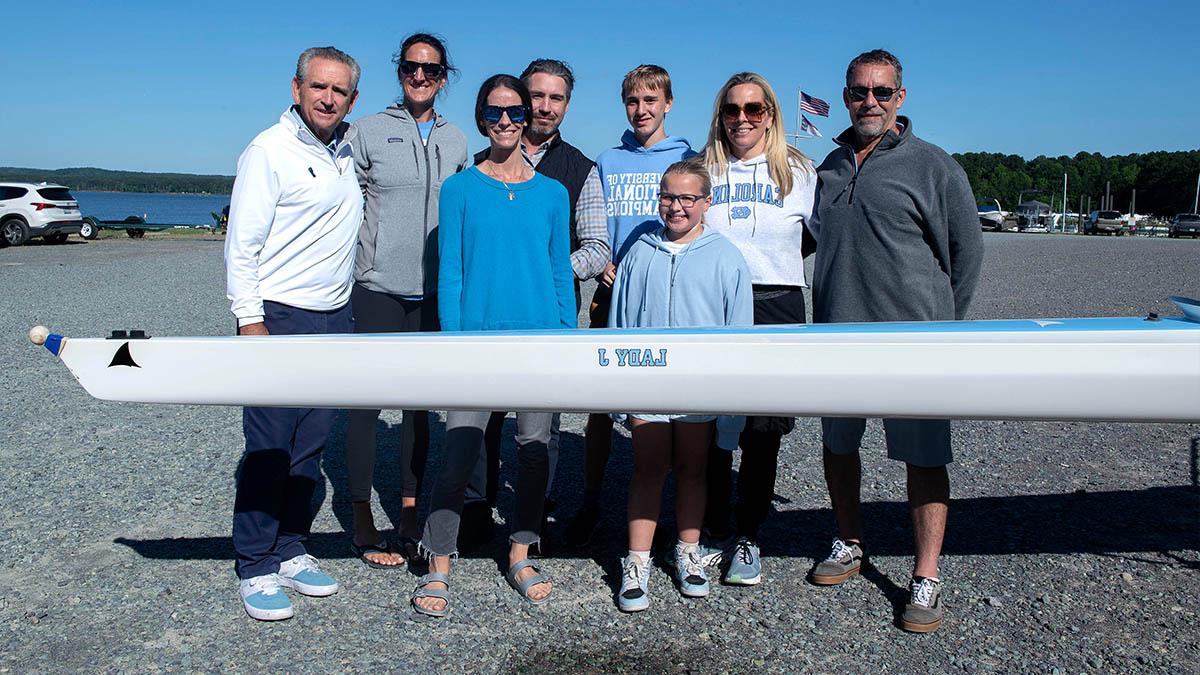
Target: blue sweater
630,174
504,264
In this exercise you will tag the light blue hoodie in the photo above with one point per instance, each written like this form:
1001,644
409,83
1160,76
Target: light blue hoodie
705,284
630,174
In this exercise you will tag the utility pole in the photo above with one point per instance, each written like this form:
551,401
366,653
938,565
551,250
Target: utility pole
1064,202
1196,199
1107,196
1133,211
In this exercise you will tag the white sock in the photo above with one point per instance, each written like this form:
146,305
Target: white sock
683,546
643,557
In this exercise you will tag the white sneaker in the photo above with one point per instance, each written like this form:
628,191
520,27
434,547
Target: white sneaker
264,599
304,574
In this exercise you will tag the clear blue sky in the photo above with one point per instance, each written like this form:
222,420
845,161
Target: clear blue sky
184,86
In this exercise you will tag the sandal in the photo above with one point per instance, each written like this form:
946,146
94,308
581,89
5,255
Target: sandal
384,546
437,593
523,587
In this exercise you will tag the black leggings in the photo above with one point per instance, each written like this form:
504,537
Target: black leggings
760,440
376,312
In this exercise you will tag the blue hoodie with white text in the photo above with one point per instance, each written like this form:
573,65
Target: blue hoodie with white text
630,174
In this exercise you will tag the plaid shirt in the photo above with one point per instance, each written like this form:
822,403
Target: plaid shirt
591,222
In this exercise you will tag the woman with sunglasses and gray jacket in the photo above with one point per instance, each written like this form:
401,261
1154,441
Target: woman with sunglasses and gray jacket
402,155
505,264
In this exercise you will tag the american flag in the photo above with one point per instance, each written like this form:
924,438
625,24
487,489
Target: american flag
808,127
814,105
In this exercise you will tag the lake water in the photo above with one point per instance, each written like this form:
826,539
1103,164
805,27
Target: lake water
154,207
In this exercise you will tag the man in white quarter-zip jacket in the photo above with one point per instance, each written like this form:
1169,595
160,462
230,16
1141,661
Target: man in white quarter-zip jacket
289,253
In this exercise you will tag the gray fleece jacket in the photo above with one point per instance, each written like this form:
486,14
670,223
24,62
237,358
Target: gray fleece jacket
898,238
401,179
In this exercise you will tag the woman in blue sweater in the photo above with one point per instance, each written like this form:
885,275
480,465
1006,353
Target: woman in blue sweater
680,275
504,248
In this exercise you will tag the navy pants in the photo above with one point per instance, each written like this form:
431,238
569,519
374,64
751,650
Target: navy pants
281,468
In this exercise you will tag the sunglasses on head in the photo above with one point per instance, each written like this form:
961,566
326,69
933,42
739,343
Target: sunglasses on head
433,71
493,113
754,112
882,94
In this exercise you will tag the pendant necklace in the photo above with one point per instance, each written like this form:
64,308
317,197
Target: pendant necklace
496,169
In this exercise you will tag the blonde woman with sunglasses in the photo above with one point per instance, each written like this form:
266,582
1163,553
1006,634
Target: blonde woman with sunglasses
762,200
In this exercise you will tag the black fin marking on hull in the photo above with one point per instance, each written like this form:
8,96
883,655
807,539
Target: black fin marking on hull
123,358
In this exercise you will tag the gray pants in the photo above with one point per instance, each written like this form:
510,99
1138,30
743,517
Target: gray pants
460,456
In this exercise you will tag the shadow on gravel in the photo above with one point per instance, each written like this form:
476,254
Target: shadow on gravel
1153,520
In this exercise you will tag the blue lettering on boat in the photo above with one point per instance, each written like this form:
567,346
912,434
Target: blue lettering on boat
633,358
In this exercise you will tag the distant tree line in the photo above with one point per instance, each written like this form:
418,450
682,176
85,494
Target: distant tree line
89,178
1165,181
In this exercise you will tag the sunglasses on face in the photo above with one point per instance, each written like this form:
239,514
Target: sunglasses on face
882,94
433,71
686,201
754,112
493,113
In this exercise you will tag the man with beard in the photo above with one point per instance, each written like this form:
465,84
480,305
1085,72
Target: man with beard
897,240
550,85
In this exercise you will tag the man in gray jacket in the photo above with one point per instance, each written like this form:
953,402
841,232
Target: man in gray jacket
898,239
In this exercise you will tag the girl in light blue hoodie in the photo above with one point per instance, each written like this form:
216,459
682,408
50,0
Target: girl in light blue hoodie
680,275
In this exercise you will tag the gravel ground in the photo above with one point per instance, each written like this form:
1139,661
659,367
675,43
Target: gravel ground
1071,547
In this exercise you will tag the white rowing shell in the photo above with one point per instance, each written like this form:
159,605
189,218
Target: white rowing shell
1070,369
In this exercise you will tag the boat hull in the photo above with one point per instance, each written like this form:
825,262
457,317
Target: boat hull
1068,369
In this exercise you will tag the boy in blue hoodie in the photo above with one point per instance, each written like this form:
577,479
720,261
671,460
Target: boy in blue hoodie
679,274
630,174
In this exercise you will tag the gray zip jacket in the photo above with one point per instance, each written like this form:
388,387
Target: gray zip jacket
401,179
898,237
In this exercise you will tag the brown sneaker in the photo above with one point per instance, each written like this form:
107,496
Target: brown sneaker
923,613
844,561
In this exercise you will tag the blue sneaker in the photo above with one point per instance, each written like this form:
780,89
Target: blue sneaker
689,571
635,580
264,599
303,574
745,565
714,551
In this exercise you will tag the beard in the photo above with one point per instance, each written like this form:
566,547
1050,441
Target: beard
544,127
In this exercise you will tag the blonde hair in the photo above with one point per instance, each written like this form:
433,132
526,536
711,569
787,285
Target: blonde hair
689,167
649,76
781,157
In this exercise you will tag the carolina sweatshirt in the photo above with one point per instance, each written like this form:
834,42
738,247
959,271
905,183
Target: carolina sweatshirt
766,227
705,284
505,263
898,237
293,216
401,177
630,174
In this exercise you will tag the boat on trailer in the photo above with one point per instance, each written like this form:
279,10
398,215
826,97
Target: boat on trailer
1144,369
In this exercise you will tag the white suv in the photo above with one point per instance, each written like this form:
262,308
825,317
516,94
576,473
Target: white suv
37,210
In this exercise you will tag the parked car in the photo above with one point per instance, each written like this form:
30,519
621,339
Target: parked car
1185,225
1108,222
37,210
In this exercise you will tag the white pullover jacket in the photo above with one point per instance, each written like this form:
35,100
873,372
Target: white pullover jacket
293,221
768,229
